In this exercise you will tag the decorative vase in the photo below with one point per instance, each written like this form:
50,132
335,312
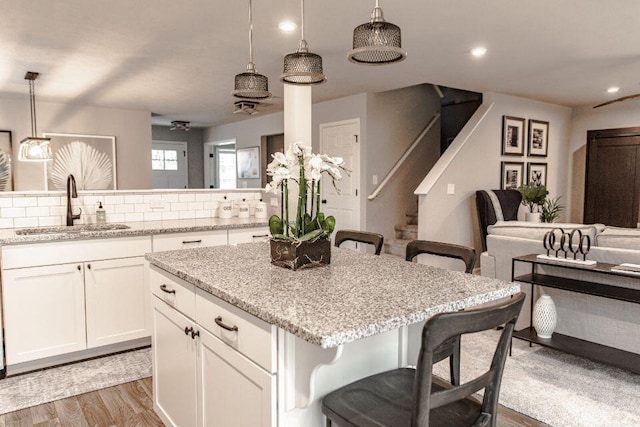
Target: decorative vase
300,255
532,216
545,317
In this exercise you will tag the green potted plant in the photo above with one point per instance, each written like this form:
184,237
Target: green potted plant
533,197
551,209
305,240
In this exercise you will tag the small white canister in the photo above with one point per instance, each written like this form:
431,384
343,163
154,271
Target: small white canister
243,209
225,209
261,209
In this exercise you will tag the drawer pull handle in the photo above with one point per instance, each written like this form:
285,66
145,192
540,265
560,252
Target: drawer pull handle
188,330
224,326
194,334
165,289
186,242
260,235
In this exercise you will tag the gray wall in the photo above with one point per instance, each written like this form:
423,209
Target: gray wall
395,119
195,150
132,130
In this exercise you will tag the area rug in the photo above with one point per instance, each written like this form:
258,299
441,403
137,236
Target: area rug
48,385
554,387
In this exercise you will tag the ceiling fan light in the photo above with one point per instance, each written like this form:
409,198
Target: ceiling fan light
34,149
377,42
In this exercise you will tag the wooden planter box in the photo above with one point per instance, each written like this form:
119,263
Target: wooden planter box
304,255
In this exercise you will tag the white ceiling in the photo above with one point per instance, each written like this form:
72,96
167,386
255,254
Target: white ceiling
178,58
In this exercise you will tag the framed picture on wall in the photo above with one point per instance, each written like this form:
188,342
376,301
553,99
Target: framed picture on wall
537,174
6,153
248,162
538,138
511,176
91,159
512,136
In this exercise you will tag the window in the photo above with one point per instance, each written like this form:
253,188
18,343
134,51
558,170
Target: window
164,160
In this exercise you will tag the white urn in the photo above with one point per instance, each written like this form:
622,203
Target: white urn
545,317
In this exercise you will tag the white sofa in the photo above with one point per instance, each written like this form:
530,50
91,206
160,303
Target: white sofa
605,321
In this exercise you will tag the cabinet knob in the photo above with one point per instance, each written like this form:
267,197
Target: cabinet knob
194,334
79,268
89,266
188,330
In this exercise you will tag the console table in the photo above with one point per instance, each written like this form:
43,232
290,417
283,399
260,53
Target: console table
590,350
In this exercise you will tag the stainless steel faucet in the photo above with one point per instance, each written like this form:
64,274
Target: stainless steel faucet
71,193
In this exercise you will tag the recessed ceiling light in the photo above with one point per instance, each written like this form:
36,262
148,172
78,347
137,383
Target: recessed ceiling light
478,51
613,89
287,26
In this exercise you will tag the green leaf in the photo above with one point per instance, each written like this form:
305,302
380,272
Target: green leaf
311,235
275,225
330,224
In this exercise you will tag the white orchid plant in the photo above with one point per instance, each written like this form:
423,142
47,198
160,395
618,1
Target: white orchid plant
300,166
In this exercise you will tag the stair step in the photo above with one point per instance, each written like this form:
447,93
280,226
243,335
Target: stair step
406,231
396,247
412,218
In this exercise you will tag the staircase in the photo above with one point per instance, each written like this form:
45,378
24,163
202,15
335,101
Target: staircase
404,234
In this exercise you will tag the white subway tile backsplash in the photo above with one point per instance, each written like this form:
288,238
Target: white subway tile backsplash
135,198
187,197
125,208
6,202
152,216
169,215
195,206
25,222
203,197
148,198
19,202
203,214
134,217
115,217
12,212
170,198
46,221
48,201
114,200
177,207
37,211
142,207
187,214
6,222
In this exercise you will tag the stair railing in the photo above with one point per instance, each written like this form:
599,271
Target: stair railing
404,157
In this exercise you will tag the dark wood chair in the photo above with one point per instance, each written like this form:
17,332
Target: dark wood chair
374,239
451,347
409,397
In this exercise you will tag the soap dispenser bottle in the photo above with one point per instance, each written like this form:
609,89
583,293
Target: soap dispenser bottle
101,214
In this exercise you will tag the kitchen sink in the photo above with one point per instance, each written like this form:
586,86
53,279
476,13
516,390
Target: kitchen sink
84,228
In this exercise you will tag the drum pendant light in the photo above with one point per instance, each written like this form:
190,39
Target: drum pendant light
34,149
250,84
377,42
303,67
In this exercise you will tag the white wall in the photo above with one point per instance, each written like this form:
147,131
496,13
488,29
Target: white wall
453,218
132,130
619,115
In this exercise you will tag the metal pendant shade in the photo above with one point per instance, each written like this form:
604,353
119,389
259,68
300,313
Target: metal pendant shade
303,67
250,84
377,42
32,148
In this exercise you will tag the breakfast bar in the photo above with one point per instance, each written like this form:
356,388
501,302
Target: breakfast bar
260,345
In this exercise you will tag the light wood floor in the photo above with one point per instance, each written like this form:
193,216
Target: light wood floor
131,405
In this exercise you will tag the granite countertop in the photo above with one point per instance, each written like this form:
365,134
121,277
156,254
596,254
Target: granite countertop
9,236
356,296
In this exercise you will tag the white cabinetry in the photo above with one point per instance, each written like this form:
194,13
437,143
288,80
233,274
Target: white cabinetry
248,235
43,311
173,241
199,375
67,296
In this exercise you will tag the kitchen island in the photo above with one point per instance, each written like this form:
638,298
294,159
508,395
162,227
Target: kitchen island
267,343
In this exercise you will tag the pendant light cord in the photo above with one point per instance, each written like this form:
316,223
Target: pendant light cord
250,35
32,103
302,18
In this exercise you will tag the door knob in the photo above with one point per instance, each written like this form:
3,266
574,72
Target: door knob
324,201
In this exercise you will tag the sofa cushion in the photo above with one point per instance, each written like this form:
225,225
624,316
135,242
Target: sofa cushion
620,238
537,230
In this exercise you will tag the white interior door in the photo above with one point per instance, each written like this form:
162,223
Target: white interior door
341,139
169,164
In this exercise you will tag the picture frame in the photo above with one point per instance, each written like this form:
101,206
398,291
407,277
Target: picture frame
91,159
511,175
6,157
537,174
513,131
538,138
248,163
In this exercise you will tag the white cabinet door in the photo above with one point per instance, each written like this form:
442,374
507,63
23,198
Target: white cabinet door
248,235
43,311
117,297
174,366
233,391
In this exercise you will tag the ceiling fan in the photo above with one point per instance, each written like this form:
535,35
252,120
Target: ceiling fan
624,98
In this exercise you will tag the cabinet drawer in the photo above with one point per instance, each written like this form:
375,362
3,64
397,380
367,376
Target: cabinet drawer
38,254
248,235
253,337
173,290
170,242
